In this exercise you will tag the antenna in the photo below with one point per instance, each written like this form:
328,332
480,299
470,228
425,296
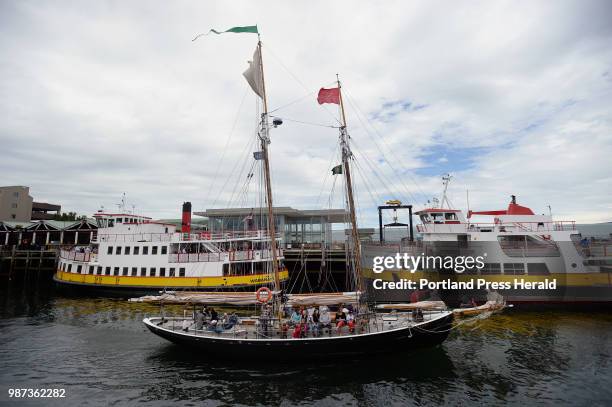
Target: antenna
549,210
445,180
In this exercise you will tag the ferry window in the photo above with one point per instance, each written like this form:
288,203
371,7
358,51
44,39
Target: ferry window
226,269
437,217
491,268
118,251
164,250
143,271
116,271
538,269
145,249
79,268
154,250
450,216
136,249
99,270
172,271
119,220
134,270
69,267
111,223
162,272
514,268
125,271
153,271
110,250
182,272
127,249
107,271
91,269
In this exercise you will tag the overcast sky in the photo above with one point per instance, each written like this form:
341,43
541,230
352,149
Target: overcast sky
103,97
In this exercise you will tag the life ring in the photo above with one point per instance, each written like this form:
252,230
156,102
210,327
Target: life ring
261,292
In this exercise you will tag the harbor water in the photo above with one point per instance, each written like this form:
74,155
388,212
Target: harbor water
99,351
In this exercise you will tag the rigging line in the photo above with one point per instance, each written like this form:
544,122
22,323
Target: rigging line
292,102
372,168
212,182
390,181
249,147
310,123
361,115
327,173
365,183
300,82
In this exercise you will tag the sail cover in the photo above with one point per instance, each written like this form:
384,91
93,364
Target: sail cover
247,298
253,75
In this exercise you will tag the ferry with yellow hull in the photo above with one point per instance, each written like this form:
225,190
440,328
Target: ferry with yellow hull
133,255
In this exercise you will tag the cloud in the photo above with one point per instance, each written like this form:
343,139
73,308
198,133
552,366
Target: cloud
109,97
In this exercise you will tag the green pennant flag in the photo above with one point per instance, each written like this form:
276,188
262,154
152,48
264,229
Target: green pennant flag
337,169
245,29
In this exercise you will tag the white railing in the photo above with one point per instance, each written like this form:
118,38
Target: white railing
135,237
77,256
500,227
247,234
224,256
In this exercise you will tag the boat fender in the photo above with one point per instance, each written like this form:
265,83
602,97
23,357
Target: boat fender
263,294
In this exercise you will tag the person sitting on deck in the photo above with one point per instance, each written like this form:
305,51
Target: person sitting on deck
341,317
199,319
229,321
324,318
213,315
295,317
313,320
350,321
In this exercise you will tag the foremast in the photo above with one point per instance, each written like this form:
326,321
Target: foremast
264,138
347,155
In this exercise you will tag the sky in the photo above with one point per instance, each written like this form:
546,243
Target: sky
103,98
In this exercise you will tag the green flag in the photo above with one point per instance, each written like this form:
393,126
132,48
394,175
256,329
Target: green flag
337,169
245,29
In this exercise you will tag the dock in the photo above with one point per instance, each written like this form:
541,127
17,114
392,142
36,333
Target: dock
14,260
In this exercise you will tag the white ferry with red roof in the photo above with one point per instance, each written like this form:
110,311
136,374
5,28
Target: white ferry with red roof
533,258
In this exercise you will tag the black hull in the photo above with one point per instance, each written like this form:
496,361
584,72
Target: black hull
428,334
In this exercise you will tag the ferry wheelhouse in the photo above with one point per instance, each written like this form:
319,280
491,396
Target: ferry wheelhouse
133,254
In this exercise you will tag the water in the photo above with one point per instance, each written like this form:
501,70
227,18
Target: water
99,351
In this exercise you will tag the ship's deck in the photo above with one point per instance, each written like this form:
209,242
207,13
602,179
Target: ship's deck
253,328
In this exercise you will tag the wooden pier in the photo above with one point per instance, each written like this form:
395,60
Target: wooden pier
14,260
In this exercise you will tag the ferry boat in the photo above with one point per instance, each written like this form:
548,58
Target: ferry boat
528,258
134,255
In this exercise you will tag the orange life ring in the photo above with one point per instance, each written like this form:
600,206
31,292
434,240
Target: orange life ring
263,290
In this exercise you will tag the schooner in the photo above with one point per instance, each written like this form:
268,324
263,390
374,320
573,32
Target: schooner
272,333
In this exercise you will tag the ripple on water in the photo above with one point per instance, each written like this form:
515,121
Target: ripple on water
101,353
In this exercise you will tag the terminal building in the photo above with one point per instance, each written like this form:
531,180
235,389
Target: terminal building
297,227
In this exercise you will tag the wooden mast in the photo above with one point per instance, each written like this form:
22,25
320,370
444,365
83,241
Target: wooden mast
264,137
346,156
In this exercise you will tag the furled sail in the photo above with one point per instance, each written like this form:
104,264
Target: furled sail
247,298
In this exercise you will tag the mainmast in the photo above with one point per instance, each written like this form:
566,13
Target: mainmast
264,137
346,156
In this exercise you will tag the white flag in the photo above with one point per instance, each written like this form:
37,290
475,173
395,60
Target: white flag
253,74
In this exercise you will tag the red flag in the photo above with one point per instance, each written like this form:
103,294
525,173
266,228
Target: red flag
329,96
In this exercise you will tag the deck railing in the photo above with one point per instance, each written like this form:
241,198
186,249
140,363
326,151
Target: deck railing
243,255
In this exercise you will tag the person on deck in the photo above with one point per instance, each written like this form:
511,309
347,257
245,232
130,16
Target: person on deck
341,317
324,318
295,317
